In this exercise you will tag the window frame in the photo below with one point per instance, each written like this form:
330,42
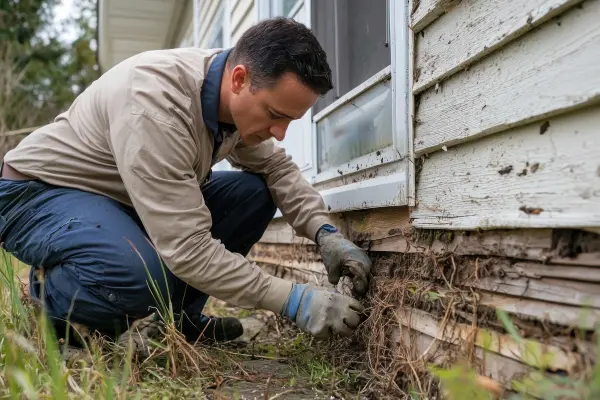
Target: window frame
377,192
364,162
394,189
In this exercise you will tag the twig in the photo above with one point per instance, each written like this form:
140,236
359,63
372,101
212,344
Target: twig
266,394
416,377
453,269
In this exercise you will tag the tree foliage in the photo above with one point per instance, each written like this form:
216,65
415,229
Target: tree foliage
41,74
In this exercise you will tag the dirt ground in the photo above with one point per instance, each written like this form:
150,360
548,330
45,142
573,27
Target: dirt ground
279,362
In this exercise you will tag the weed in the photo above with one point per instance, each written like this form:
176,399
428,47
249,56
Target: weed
460,381
32,366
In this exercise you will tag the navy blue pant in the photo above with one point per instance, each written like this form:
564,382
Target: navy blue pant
93,276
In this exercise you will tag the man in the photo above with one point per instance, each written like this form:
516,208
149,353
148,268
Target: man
119,189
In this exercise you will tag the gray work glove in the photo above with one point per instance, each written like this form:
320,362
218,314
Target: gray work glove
343,258
322,313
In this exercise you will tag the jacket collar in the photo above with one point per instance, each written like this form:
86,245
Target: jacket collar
209,97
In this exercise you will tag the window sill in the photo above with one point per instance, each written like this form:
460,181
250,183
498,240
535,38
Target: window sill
384,191
363,163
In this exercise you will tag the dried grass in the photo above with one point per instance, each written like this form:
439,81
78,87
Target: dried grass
431,283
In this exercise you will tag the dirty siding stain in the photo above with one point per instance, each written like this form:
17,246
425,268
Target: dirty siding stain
531,210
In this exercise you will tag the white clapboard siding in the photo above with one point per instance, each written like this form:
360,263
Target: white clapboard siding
242,17
529,352
426,11
549,70
560,314
561,291
544,174
208,14
473,29
426,347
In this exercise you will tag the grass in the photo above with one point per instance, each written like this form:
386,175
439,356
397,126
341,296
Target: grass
31,365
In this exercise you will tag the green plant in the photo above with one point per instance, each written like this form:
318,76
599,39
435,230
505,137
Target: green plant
460,380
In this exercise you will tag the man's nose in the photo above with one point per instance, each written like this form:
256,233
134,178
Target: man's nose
278,131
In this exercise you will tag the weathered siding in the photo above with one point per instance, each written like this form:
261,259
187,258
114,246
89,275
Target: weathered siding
208,12
528,174
473,30
545,72
184,33
544,174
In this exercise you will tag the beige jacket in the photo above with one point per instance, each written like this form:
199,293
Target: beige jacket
137,135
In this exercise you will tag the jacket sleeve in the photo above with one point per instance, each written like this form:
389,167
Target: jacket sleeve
301,205
155,157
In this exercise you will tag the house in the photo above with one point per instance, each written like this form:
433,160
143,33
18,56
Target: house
460,146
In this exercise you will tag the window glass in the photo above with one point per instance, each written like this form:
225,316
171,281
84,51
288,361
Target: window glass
354,36
359,127
287,6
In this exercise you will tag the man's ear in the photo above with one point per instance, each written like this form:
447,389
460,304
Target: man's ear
239,78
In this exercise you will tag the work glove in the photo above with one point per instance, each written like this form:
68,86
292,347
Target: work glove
322,313
343,258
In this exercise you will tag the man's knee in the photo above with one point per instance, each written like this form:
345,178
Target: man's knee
243,194
262,201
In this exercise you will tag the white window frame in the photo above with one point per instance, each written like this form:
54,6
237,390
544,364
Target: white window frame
382,191
388,190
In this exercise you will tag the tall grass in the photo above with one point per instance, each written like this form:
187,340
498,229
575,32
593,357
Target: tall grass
30,360
31,365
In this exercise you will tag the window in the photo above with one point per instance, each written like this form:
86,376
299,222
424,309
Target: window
354,35
356,128
362,124
358,50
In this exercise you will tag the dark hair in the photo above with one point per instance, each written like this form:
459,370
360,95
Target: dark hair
275,46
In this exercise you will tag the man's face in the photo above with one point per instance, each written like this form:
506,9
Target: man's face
264,113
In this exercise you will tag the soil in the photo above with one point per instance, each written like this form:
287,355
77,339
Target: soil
266,376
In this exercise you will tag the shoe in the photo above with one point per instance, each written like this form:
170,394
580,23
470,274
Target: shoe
200,328
139,335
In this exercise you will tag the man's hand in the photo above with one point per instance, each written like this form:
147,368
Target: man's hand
322,313
342,257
